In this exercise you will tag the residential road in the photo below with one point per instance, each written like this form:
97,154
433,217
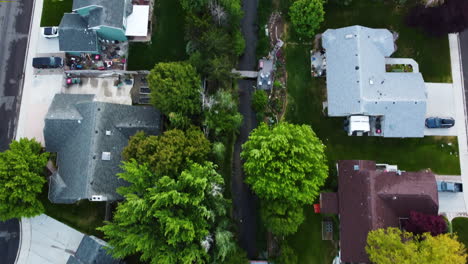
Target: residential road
9,241
15,17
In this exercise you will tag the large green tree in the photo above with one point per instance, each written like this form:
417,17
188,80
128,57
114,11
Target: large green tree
170,220
285,166
193,5
167,154
22,179
175,87
391,245
222,116
306,16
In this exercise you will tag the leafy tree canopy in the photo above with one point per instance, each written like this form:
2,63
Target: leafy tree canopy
285,162
193,5
167,154
391,245
306,16
281,218
285,166
21,179
222,116
175,87
259,101
169,220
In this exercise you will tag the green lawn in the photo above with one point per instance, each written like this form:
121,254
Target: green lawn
84,216
460,226
167,42
308,243
53,11
432,54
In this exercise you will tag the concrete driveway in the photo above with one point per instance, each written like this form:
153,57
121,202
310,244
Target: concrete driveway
441,103
40,86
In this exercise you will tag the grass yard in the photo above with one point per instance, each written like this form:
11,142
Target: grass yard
84,216
432,54
167,43
307,242
460,226
53,11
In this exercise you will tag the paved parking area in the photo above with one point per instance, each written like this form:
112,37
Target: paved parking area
38,94
441,103
104,88
40,86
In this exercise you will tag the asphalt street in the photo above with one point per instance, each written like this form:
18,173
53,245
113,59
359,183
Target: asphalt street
15,17
245,202
9,241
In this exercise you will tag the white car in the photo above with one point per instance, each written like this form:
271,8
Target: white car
50,32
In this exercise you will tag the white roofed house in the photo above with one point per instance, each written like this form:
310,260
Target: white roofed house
377,102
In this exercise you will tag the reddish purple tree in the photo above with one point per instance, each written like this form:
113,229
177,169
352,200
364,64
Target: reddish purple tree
419,223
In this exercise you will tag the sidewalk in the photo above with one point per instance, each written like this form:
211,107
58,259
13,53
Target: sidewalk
460,108
38,90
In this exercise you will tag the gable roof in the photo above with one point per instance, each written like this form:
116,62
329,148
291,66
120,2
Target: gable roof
357,81
74,35
369,199
92,250
105,12
76,128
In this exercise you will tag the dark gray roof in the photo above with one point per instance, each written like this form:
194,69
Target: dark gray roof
105,12
74,35
358,84
92,251
75,128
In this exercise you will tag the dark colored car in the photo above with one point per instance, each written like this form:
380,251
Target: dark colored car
47,62
437,122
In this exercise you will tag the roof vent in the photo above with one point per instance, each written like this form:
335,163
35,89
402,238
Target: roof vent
356,167
108,133
96,198
349,36
106,155
371,81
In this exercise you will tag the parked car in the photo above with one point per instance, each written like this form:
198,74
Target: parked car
47,62
438,122
50,32
443,186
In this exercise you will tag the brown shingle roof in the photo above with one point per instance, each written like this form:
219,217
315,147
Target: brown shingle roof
329,203
369,199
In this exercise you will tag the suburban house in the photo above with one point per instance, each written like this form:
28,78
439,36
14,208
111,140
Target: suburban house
45,240
377,102
93,21
371,196
92,250
88,137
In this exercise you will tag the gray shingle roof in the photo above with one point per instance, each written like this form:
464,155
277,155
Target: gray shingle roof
74,35
75,128
105,12
357,82
92,251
